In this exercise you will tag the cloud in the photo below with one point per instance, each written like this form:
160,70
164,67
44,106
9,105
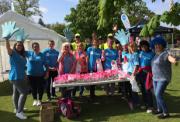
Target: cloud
43,9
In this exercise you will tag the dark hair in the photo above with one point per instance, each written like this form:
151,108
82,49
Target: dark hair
35,43
144,42
22,52
51,41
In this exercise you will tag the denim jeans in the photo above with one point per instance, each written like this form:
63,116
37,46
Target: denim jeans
159,88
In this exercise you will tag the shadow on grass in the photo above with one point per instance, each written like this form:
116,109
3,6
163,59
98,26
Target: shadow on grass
10,117
5,88
102,108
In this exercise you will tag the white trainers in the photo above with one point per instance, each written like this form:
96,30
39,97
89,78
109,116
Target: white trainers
149,111
38,103
35,103
21,115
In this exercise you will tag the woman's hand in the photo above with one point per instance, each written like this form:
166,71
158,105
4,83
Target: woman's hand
8,29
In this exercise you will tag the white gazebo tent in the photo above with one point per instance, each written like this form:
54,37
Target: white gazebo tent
36,32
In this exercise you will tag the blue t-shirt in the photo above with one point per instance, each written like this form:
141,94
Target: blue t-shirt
110,54
68,63
35,63
145,58
51,56
93,54
133,61
18,67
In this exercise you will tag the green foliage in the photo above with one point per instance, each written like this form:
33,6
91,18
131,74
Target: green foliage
27,7
83,19
149,29
57,27
4,6
172,16
110,10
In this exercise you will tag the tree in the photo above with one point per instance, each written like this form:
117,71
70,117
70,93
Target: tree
83,18
4,6
109,11
41,22
27,7
57,27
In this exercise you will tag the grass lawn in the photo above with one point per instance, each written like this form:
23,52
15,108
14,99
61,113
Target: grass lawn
112,109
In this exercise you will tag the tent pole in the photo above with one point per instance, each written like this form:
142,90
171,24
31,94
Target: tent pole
1,66
172,40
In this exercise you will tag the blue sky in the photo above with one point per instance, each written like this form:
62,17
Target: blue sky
55,10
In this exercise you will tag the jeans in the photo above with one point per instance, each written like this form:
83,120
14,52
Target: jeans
159,88
81,90
20,91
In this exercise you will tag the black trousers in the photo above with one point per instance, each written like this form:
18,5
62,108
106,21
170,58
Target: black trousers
147,95
51,91
37,86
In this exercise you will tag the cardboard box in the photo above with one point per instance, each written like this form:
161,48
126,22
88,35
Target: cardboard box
46,112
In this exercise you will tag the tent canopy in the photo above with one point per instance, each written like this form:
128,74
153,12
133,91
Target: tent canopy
34,30
160,30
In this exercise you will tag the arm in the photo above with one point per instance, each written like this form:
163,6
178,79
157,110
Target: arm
172,59
8,47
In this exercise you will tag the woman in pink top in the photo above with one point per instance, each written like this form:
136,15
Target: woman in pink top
81,65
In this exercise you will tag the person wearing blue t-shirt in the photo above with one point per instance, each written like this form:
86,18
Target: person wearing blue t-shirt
17,62
93,53
51,56
109,55
17,77
145,57
37,71
132,69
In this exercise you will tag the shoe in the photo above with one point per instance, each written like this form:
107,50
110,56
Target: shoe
156,112
149,111
35,103
163,116
21,115
38,103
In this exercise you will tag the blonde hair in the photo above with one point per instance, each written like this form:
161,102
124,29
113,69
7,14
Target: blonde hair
65,44
81,44
132,47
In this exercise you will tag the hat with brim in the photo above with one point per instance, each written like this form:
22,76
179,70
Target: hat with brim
110,35
77,35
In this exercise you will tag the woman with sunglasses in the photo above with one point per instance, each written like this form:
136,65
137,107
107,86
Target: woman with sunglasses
37,72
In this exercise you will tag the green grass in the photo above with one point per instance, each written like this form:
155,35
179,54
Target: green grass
112,109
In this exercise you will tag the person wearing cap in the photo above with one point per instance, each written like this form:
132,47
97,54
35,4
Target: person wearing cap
51,56
110,36
17,61
161,70
76,42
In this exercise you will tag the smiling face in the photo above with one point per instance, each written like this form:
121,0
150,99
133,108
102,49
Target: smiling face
80,47
159,48
19,46
51,44
35,47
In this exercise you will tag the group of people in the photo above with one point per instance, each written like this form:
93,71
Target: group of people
143,62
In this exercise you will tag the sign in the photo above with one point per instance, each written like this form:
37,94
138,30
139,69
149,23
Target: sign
125,21
175,52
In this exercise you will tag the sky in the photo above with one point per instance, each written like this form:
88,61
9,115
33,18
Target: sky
55,10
